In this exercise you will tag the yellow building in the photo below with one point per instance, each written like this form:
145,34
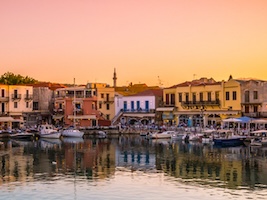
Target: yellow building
201,102
105,99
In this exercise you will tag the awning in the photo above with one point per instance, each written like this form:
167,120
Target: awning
6,119
165,109
82,117
58,117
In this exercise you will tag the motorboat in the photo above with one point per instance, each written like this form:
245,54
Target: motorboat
228,139
22,135
73,132
161,135
48,131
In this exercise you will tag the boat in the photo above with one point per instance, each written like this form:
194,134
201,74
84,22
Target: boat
161,135
208,135
258,138
101,134
228,139
48,131
73,132
177,136
22,135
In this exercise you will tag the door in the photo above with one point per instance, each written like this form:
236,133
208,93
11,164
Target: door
147,105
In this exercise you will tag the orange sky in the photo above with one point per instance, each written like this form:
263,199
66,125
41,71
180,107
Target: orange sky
58,40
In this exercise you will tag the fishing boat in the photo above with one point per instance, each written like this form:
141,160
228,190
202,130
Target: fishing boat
48,131
161,135
22,135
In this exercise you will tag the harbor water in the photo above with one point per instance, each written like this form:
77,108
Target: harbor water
130,167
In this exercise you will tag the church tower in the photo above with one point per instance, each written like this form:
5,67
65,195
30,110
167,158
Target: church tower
114,78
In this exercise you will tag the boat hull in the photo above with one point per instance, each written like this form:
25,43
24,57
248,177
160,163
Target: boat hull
72,133
228,142
55,135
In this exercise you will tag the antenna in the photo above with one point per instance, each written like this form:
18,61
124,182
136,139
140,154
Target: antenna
159,81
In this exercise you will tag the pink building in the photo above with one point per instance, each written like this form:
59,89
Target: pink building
76,104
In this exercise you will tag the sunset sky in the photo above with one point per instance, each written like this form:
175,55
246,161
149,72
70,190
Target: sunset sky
175,40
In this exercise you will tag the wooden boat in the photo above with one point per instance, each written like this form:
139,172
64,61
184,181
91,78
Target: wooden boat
22,135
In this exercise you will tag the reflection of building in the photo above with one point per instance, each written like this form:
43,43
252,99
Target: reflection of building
98,159
16,166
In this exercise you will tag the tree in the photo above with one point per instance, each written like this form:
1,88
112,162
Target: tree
10,78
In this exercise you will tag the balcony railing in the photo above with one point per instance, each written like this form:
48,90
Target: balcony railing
16,97
4,99
200,103
58,110
138,110
28,97
108,100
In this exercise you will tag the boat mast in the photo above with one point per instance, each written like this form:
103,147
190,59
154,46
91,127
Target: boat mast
74,105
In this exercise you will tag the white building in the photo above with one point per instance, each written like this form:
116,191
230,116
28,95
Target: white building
138,108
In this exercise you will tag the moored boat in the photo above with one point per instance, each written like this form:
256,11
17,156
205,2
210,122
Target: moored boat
48,131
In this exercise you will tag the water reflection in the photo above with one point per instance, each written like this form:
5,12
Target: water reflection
98,159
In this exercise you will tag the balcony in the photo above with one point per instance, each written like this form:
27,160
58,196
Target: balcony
200,103
4,99
59,111
109,100
28,97
16,97
167,104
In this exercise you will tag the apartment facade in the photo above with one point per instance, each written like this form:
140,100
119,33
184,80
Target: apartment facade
201,102
16,103
139,108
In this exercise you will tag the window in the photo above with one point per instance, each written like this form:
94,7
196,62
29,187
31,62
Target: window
27,104
194,97
15,104
93,106
186,97
227,96
107,106
201,96
255,94
100,105
180,97
2,93
172,99
234,95
255,109
102,95
246,109
167,99
35,105
209,96
247,96
108,117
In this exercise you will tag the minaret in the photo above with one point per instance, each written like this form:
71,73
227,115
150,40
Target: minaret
114,78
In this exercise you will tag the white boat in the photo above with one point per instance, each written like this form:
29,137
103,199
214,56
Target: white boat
102,134
48,131
177,136
259,138
73,132
161,135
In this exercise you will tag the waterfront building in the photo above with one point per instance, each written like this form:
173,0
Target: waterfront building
253,97
201,102
16,103
80,104
105,102
138,108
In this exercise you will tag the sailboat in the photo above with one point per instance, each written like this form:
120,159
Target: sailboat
73,132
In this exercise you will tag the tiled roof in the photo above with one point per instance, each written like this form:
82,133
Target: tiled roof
157,92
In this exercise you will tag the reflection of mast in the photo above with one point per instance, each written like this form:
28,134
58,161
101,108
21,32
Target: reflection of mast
74,171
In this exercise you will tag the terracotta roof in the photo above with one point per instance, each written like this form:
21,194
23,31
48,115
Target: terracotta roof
199,82
157,92
51,86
